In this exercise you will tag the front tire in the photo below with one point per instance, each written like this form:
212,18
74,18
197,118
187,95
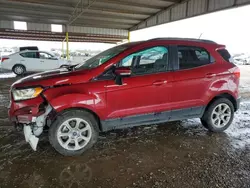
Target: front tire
73,132
219,115
19,70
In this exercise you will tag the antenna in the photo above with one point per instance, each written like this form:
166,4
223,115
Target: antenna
200,35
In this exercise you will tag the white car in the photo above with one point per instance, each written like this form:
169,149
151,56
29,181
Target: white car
31,61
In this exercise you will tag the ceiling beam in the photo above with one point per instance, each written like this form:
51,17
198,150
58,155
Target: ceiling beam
124,8
82,7
103,25
37,19
56,36
115,14
63,19
33,12
38,38
27,5
133,3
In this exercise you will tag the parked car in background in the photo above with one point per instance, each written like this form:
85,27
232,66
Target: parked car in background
28,48
139,83
31,61
241,59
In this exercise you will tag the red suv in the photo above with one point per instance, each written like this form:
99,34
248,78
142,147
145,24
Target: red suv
138,83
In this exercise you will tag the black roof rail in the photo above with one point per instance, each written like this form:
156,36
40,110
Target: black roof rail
186,39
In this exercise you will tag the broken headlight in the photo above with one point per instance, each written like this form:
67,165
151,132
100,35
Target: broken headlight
23,94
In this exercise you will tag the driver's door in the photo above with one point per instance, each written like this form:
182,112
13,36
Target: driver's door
141,93
47,61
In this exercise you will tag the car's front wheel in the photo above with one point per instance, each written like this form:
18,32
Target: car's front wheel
73,132
19,70
219,115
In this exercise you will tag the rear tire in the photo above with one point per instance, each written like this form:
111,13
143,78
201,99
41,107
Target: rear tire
204,123
19,70
73,132
219,115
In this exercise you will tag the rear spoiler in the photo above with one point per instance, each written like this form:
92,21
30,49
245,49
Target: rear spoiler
220,47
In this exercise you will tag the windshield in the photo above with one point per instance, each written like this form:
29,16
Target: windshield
103,57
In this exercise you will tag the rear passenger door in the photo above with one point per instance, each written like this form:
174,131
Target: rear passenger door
30,60
192,78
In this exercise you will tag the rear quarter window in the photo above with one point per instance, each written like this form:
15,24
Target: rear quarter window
225,55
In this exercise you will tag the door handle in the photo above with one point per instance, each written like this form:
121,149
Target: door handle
159,82
42,61
210,75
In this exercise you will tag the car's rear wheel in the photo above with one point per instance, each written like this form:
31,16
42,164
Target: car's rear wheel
219,115
19,70
73,132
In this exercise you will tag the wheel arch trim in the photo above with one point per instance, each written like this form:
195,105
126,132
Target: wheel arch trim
226,95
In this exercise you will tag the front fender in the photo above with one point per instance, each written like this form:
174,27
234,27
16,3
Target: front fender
75,100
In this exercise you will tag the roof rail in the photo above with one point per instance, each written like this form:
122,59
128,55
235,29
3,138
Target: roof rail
186,39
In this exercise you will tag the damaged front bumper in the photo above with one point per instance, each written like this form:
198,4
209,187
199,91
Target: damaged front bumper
31,115
30,137
35,129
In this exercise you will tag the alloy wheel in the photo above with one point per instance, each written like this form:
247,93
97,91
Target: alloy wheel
221,115
74,134
18,70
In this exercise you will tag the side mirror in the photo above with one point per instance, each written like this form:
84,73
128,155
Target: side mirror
121,72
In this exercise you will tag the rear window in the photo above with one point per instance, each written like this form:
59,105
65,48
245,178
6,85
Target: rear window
225,54
28,48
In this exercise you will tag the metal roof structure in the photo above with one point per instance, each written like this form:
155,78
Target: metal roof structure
98,20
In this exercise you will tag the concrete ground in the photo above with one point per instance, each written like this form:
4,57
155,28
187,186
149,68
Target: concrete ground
177,154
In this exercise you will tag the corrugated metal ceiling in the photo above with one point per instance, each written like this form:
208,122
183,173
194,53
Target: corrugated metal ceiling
112,18
121,14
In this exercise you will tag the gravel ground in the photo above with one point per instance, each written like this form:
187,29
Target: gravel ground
177,154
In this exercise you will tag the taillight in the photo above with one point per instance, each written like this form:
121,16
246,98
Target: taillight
236,72
4,58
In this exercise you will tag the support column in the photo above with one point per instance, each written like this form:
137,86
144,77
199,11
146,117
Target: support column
67,44
63,48
128,36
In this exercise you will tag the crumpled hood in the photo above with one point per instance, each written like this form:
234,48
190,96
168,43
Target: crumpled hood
53,77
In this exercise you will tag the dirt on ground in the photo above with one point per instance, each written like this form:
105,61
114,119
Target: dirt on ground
176,154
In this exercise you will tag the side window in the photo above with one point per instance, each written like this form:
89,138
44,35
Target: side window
30,54
44,55
192,57
147,61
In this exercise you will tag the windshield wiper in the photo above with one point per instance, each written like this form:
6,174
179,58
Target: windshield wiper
69,67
